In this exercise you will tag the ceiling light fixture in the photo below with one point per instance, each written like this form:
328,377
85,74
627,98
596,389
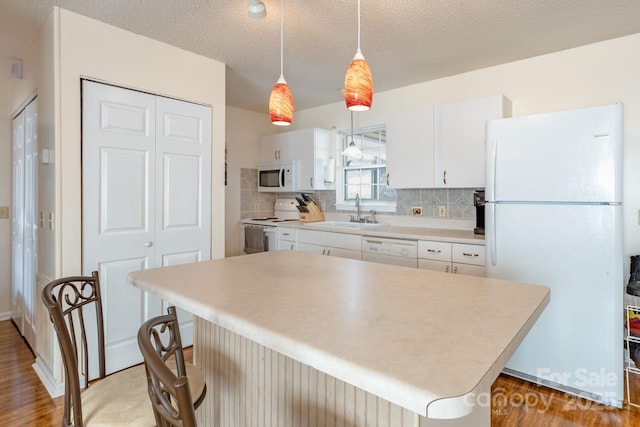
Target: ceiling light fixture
352,149
256,9
358,83
281,99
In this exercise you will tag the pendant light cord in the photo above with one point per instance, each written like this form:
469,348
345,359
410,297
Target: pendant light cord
282,37
358,24
352,142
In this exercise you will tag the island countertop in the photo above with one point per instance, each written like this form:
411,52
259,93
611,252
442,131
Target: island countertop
424,340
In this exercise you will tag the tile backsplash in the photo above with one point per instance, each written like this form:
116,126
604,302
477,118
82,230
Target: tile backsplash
458,201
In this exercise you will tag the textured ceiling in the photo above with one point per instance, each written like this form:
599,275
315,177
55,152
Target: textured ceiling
404,41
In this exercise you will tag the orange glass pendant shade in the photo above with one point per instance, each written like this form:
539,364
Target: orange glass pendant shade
281,104
358,84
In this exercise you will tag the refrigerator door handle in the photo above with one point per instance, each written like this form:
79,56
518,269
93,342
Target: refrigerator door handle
492,154
490,227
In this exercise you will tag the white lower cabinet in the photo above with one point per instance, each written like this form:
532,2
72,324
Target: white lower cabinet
287,239
329,243
457,258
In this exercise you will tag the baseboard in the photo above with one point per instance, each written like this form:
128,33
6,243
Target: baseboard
5,316
47,378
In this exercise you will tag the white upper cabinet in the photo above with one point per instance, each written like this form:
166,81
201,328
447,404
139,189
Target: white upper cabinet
410,149
442,147
311,148
274,148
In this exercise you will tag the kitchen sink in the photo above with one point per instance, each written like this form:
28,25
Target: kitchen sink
343,224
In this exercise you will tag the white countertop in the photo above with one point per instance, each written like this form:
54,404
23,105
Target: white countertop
421,339
397,232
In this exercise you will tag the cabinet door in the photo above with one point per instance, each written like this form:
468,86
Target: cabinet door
469,270
314,249
312,237
410,149
344,241
344,253
274,148
430,264
287,245
313,150
460,140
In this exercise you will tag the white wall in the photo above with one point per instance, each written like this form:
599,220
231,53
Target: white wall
243,131
596,74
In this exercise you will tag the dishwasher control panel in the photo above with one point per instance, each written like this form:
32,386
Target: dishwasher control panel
390,247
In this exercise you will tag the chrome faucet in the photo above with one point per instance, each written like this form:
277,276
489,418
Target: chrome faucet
357,217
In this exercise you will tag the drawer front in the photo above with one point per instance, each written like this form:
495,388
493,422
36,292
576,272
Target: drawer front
344,241
468,254
312,237
439,251
287,234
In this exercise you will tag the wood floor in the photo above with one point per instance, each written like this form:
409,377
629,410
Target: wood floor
25,402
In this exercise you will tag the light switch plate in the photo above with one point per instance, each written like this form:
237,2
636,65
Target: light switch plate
416,210
442,211
4,212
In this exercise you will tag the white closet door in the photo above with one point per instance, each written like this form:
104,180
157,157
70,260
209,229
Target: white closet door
31,299
17,223
118,169
183,189
146,201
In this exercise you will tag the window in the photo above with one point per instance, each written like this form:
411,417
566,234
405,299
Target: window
365,174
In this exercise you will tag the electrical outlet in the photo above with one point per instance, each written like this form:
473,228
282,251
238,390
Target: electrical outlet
442,211
416,210
4,212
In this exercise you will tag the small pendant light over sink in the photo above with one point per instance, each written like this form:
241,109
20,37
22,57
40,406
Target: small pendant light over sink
281,99
352,149
358,83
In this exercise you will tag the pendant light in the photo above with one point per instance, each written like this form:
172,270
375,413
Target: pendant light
256,9
352,149
358,83
281,99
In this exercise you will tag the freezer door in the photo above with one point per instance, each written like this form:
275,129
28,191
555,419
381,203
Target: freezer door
570,156
577,252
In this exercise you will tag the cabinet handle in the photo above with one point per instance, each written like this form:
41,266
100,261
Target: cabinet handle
455,270
324,252
387,179
471,255
285,234
444,177
292,246
148,244
434,251
446,269
328,252
311,182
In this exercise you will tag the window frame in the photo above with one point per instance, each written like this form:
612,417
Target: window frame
349,204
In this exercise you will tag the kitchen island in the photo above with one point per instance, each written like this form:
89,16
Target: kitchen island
291,338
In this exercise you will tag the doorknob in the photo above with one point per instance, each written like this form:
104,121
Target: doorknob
148,244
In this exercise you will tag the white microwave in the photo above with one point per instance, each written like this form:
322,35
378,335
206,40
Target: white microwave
277,177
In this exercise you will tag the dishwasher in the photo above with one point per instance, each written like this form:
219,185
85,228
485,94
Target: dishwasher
390,251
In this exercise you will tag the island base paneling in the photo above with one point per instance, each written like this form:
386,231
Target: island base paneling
251,385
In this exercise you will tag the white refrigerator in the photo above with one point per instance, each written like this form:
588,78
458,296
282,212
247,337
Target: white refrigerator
553,217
